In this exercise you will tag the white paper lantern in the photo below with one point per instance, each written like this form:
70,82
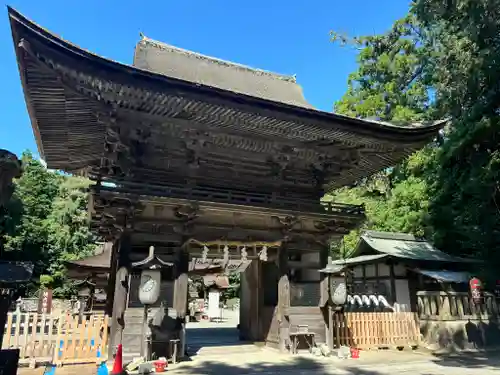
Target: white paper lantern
149,288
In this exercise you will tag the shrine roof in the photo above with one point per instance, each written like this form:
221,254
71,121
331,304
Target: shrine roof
101,260
63,81
165,59
15,272
404,246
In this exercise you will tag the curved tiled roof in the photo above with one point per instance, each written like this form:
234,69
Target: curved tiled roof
101,260
70,91
194,67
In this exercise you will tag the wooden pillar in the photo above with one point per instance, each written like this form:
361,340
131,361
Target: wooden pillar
121,292
259,301
413,288
324,294
110,290
283,299
181,294
393,283
251,300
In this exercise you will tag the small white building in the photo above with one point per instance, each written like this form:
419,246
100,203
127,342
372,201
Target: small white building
393,267
403,273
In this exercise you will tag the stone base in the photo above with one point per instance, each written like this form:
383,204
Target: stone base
456,335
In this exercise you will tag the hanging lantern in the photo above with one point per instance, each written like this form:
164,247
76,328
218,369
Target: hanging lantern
475,290
338,292
149,287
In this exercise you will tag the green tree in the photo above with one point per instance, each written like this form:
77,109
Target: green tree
234,286
392,84
25,237
68,227
464,211
46,223
449,191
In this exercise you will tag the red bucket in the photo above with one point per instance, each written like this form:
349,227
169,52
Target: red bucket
354,353
160,366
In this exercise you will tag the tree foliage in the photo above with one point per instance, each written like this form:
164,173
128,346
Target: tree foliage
390,84
46,223
440,61
464,38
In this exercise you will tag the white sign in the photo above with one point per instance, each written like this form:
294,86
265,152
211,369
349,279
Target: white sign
213,304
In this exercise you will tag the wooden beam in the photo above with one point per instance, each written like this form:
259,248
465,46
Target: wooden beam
247,203
242,230
221,243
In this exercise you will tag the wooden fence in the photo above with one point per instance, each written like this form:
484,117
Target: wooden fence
57,339
370,330
455,306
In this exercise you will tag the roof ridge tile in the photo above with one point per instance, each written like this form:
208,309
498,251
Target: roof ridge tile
172,48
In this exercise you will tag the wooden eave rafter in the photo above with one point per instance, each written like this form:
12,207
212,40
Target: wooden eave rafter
54,71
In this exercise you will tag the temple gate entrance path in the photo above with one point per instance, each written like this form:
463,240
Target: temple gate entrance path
217,339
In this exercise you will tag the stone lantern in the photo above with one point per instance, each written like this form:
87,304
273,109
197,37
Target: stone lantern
337,293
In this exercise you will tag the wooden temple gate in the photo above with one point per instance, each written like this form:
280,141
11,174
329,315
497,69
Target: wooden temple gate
229,156
264,311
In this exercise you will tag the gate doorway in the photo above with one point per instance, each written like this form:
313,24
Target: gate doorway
214,336
213,313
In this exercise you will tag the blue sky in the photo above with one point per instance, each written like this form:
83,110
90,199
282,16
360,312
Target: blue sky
289,37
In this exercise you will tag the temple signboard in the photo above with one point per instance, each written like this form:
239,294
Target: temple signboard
45,301
233,265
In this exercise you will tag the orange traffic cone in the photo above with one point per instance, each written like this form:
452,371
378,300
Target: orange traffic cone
118,364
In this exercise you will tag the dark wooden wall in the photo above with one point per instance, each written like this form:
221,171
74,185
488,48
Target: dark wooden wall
259,313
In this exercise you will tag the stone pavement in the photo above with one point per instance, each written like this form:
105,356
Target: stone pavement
268,362
216,350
